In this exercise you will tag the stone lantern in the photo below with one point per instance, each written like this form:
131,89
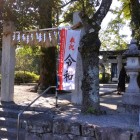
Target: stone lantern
132,94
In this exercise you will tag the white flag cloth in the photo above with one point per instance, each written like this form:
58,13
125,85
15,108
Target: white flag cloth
69,43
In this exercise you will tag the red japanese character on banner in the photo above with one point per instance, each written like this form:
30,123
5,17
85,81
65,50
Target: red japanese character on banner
71,47
72,41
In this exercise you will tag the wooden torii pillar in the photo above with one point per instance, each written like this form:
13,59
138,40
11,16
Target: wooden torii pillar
8,63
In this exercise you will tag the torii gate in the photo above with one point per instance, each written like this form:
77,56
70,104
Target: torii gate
9,41
8,60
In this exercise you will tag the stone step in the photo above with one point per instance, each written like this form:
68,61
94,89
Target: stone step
6,138
11,133
8,122
11,106
11,123
8,128
21,107
11,113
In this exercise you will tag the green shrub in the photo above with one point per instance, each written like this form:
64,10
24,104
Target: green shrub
25,77
104,79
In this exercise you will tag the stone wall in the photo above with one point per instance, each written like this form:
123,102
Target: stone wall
61,129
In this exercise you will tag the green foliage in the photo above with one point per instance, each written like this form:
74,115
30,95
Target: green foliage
25,77
28,14
104,78
80,5
111,37
90,110
126,9
93,111
27,59
130,11
112,40
123,11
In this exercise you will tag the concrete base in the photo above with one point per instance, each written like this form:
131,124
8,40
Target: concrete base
130,103
131,99
128,109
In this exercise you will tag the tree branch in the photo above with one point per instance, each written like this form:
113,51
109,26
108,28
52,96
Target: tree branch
102,11
67,4
93,24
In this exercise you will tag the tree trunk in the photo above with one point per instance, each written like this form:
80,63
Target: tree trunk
48,57
48,68
90,83
90,45
135,18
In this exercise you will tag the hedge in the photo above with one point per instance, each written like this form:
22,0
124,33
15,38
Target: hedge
104,79
25,77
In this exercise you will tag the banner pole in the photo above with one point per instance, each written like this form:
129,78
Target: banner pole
56,93
57,53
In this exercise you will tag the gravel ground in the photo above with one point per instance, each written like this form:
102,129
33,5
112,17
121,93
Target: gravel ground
23,96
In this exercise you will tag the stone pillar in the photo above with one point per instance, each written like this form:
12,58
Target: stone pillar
133,85
8,63
76,96
132,94
119,64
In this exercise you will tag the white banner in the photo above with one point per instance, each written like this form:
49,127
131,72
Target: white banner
69,43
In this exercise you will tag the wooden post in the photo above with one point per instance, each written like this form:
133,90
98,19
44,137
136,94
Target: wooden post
8,63
77,93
